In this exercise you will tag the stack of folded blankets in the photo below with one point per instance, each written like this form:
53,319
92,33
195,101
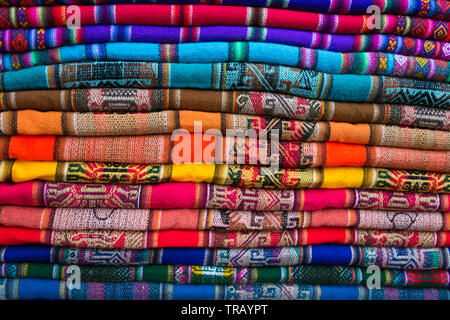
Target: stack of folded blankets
121,176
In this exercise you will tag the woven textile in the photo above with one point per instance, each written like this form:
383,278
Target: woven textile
438,9
12,289
156,149
230,175
198,15
133,101
118,239
29,122
225,149
344,255
20,40
256,52
183,274
231,220
208,196
233,75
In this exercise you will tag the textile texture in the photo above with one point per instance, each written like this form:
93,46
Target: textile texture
115,239
198,15
129,102
21,40
29,122
373,63
183,274
329,254
229,175
213,219
184,148
225,149
229,76
12,289
436,9
209,196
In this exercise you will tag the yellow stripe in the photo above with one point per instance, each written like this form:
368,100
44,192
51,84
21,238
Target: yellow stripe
198,172
33,170
335,178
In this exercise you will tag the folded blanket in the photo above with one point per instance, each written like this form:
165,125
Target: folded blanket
230,175
328,254
374,63
13,289
118,239
127,102
187,274
30,122
437,9
229,76
187,148
201,15
209,196
20,40
231,220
